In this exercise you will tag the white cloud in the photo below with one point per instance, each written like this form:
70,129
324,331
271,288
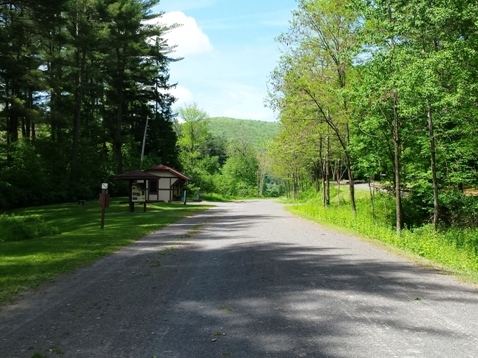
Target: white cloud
189,37
183,95
183,5
229,80
237,101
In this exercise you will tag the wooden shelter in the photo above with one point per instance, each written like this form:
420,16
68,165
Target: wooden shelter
169,185
159,183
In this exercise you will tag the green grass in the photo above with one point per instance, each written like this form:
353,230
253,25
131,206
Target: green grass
214,197
453,249
221,198
24,264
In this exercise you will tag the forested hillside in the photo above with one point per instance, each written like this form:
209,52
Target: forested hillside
256,133
224,155
79,80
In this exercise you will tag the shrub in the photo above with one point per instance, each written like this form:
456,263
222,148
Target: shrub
17,228
417,208
459,210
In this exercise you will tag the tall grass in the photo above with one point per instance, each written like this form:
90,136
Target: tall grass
215,197
454,248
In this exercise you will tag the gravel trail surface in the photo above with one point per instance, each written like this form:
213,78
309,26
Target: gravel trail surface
246,279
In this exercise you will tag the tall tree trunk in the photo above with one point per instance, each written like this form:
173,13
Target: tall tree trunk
34,132
117,136
349,165
320,174
7,110
27,117
76,132
13,117
348,161
55,75
326,197
397,166
372,197
76,120
436,207
117,141
295,178
344,143
53,117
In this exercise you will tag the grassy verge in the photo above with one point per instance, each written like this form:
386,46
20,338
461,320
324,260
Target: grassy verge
214,197
454,249
76,239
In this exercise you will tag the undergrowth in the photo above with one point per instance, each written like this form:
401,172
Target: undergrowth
455,248
24,227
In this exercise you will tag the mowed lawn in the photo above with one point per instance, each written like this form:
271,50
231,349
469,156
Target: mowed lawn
24,264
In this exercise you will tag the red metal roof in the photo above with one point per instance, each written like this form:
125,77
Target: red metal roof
161,167
135,175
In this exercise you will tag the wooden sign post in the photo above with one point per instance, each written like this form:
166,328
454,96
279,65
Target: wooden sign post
104,202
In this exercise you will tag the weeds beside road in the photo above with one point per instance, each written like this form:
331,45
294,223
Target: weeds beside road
453,249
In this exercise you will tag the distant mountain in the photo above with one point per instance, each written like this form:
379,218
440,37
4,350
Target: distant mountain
257,133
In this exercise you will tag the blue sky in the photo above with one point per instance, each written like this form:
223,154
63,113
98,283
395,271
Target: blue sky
229,51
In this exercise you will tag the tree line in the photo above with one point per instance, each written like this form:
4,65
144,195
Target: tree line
382,90
79,82
228,165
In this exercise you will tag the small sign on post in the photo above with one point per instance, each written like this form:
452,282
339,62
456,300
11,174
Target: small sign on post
104,202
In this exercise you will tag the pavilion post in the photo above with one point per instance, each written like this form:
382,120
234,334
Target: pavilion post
131,204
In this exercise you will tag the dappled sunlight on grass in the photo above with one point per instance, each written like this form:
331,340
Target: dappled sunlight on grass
27,263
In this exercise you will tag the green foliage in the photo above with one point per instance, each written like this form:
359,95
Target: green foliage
25,176
239,174
274,189
313,86
161,143
18,228
223,161
459,210
203,174
77,84
395,83
194,140
214,197
255,133
194,146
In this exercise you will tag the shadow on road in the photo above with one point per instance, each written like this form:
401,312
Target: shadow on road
207,287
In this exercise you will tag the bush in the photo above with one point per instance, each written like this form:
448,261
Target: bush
17,228
215,197
274,190
417,207
459,210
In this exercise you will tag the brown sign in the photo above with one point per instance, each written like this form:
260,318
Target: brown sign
104,200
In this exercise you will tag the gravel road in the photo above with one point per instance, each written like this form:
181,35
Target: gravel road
246,279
